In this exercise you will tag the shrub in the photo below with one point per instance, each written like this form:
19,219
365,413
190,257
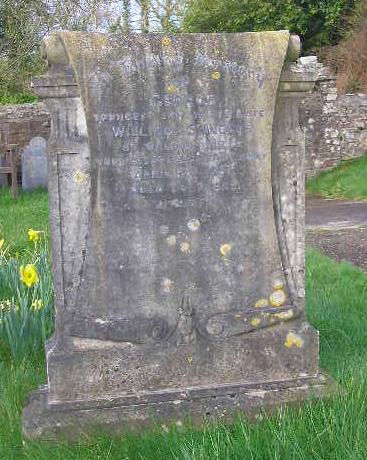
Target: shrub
317,22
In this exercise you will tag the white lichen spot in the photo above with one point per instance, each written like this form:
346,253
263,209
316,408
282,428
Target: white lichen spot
100,321
184,246
238,316
167,285
293,340
171,240
225,249
193,225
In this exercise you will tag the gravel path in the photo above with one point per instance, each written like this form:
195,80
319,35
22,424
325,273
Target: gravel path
338,229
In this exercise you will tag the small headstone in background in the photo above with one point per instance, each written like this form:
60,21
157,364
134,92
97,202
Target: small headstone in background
34,164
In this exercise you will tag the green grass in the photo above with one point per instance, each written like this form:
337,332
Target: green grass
334,429
346,181
29,210
21,98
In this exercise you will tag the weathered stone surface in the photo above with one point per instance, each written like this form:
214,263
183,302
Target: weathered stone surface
177,217
34,164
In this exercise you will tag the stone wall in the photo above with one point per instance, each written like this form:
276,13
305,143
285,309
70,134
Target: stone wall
336,126
20,123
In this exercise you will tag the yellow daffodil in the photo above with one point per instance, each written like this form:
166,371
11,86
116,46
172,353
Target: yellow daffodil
29,275
37,305
33,235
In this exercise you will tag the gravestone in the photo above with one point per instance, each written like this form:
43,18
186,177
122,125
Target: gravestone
34,164
176,170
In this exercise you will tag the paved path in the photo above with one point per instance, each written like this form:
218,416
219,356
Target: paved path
338,228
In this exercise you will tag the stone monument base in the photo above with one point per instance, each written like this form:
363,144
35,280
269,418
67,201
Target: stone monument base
72,419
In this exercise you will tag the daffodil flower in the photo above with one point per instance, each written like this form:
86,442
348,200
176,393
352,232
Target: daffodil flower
29,275
33,235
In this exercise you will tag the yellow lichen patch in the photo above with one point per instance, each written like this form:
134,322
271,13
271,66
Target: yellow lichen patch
255,322
189,359
171,240
171,89
284,315
277,298
225,249
216,75
184,246
79,177
278,285
293,340
166,41
262,303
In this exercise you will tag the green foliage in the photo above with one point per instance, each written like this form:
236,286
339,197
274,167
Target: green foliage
20,33
16,98
345,181
24,321
318,22
29,210
26,313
